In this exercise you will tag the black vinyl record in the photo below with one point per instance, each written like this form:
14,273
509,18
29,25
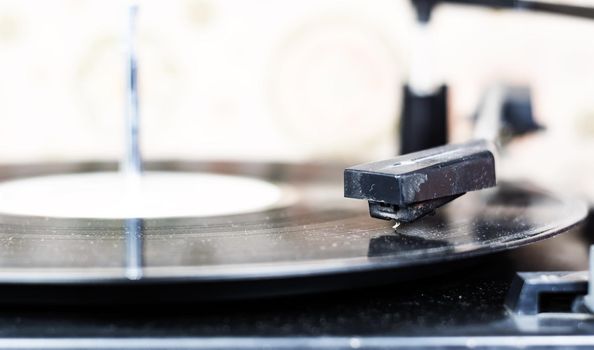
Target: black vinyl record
320,241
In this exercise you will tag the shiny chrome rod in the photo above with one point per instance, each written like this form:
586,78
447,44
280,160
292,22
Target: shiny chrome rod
134,237
131,163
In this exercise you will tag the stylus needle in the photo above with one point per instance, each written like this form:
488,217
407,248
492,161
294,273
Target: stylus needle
131,163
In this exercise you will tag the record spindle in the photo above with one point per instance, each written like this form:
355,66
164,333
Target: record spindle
134,248
131,164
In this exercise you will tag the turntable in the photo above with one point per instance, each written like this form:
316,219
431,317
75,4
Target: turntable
430,249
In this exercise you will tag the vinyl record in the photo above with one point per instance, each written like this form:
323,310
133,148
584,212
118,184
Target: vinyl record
304,244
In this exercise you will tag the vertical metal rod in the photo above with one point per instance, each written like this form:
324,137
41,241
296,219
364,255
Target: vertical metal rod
134,231
589,299
131,164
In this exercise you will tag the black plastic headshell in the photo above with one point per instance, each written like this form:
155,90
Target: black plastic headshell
413,185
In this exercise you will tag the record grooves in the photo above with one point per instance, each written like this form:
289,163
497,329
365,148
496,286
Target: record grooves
321,235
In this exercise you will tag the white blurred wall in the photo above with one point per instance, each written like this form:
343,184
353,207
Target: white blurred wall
275,79
232,79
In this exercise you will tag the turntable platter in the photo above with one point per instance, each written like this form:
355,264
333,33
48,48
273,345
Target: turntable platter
322,235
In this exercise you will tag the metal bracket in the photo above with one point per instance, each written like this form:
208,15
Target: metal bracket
527,289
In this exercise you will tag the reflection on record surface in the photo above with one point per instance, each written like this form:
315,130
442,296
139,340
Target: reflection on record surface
322,233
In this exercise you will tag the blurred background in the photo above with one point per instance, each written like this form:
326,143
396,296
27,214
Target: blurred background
286,80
